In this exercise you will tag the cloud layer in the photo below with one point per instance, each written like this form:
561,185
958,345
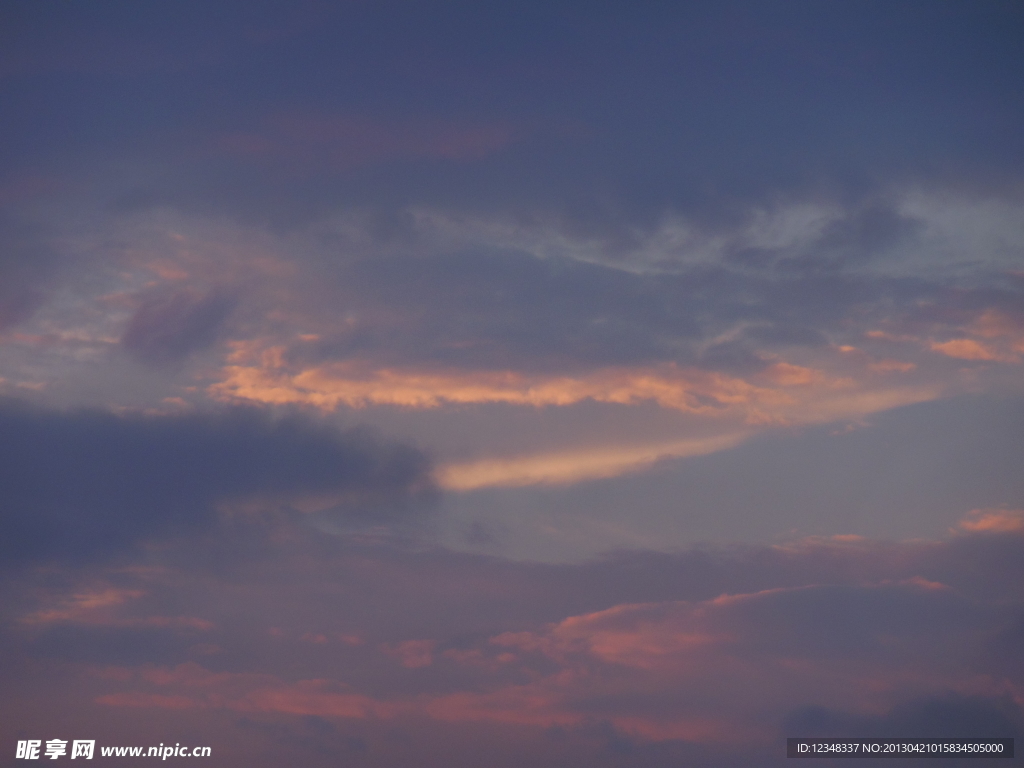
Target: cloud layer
725,652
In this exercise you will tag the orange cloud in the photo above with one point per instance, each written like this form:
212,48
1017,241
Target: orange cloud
886,336
359,385
648,645
992,324
787,375
993,521
964,349
783,393
574,466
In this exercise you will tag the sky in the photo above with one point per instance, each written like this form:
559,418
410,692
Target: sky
539,383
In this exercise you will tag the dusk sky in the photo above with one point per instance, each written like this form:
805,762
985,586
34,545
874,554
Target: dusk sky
510,384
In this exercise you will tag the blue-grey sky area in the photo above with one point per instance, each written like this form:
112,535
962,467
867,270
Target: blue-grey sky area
615,384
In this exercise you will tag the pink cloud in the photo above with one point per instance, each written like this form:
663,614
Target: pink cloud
412,653
705,671
994,324
730,644
965,349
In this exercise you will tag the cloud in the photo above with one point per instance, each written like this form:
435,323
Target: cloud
774,394
167,328
452,311
418,292
778,394
353,385
945,716
27,265
413,653
993,520
823,635
82,483
964,349
722,649
573,466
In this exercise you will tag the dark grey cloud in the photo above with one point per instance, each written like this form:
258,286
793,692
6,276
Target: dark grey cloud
322,739
166,328
510,309
83,483
624,297
496,309
865,234
694,108
950,716
502,310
